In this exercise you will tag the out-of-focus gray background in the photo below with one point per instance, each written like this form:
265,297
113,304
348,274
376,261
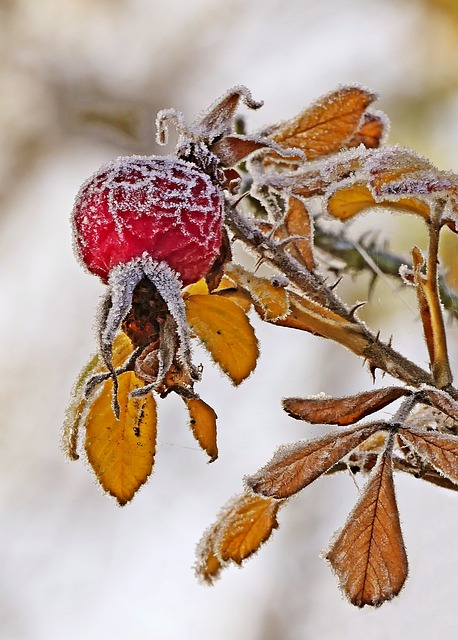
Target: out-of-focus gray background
81,82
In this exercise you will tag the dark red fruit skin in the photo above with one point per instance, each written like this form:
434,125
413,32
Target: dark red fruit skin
156,205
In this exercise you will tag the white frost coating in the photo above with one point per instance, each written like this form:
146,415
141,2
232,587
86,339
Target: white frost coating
121,283
169,287
144,194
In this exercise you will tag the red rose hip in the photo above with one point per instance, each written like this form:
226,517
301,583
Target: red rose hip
156,206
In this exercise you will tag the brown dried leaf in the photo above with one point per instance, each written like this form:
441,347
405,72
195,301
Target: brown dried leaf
242,526
342,411
439,449
203,425
369,556
327,125
298,223
443,402
432,320
293,467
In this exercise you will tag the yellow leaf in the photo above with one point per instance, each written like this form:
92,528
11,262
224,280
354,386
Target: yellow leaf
269,296
225,331
203,425
122,348
121,452
348,202
199,287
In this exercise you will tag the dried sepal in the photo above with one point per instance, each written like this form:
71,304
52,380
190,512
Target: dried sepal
225,331
368,556
269,295
432,320
218,120
440,450
243,525
295,466
342,411
202,420
121,451
327,124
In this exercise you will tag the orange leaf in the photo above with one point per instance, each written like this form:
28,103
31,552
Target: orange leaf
439,449
348,202
242,526
121,452
203,425
368,555
269,295
122,349
370,132
341,411
298,223
295,466
324,127
225,331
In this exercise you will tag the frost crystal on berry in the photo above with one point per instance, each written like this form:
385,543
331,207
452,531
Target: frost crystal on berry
162,206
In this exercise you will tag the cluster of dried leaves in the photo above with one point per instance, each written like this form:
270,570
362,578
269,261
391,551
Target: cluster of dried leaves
332,154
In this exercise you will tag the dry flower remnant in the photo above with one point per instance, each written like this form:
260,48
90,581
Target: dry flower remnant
159,232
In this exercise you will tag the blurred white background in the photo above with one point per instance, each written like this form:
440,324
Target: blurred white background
81,83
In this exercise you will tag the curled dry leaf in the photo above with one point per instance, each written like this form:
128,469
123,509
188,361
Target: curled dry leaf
432,320
298,223
328,124
121,452
242,526
440,450
342,411
202,420
293,467
269,296
368,556
370,132
223,328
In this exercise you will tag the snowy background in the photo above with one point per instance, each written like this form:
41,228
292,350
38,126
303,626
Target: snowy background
81,82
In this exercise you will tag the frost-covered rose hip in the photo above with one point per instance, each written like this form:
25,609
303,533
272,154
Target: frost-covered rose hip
160,206
154,223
